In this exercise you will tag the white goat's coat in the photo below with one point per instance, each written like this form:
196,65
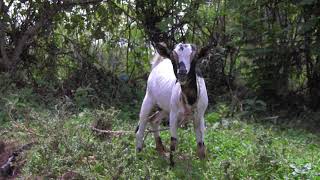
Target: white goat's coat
164,91
160,83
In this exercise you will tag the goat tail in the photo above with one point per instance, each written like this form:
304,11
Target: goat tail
156,60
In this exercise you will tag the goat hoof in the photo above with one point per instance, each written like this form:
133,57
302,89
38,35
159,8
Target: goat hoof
173,144
201,150
160,147
138,150
161,150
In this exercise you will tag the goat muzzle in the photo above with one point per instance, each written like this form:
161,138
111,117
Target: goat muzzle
182,78
182,73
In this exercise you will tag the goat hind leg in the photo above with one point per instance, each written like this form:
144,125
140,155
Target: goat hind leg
155,123
146,108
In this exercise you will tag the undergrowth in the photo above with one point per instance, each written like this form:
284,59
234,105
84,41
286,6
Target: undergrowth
236,149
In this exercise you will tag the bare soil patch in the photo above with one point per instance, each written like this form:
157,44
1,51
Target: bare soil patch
6,150
10,163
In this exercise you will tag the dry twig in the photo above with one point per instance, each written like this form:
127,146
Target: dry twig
110,132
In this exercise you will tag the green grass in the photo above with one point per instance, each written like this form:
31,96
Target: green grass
235,150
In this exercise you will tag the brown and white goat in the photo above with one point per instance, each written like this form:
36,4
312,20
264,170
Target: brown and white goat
175,87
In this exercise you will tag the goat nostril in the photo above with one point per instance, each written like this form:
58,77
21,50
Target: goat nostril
182,71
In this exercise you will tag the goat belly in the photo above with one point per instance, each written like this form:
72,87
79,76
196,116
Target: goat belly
161,93
160,84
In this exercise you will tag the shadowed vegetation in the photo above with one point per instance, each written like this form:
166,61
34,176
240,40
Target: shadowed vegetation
66,66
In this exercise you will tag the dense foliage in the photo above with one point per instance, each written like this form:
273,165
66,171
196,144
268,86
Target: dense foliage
272,48
69,63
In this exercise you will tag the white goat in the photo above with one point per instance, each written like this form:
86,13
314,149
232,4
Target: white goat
174,87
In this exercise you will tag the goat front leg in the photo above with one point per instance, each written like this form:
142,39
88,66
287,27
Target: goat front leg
199,129
173,131
146,108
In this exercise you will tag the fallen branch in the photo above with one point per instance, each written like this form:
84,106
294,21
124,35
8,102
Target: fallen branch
121,132
116,133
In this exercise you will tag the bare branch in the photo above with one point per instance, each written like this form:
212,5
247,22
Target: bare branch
28,35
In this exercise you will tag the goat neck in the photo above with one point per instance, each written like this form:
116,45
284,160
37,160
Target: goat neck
190,89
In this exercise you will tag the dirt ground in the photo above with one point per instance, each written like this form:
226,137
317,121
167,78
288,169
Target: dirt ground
6,150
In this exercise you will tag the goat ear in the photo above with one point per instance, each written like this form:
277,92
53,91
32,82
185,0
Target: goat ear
163,49
194,51
194,48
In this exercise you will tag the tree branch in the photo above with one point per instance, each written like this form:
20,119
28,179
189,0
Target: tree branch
1,3
68,3
5,59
